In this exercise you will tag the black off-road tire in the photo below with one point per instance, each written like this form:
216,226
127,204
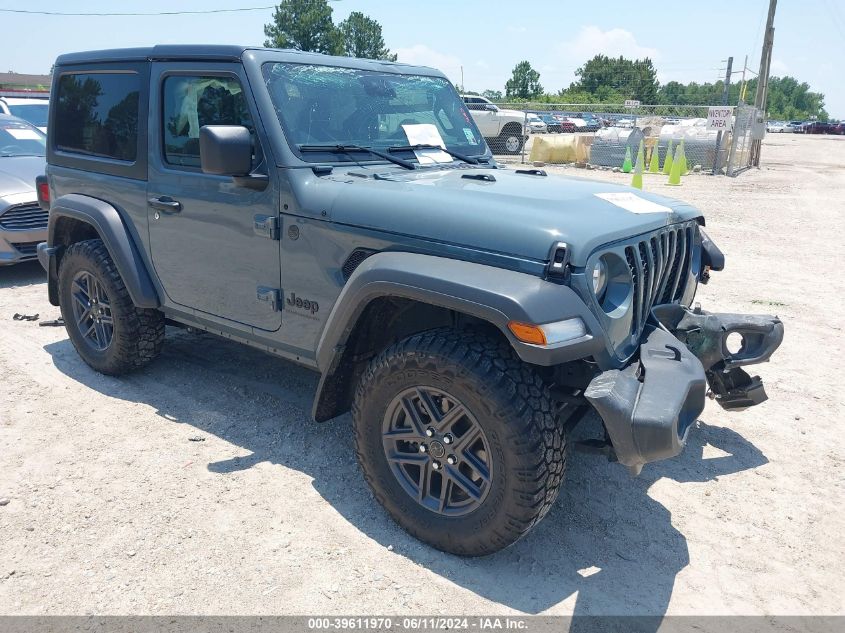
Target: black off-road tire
514,410
138,334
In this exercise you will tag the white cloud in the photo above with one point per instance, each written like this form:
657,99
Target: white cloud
422,55
591,41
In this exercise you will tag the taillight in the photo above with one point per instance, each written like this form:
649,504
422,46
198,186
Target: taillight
42,190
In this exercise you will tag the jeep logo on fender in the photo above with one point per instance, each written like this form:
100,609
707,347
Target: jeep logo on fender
303,304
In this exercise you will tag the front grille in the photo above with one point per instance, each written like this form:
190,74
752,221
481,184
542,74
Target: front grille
26,217
27,249
659,267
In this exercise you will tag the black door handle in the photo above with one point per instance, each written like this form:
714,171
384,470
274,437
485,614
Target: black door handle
165,204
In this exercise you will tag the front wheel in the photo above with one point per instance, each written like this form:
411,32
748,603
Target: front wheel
458,440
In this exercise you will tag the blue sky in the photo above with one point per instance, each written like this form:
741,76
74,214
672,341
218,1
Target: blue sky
686,40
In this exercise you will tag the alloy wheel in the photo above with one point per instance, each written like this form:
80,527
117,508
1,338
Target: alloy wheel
92,311
437,451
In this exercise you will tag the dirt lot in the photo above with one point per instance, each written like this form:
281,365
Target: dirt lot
200,486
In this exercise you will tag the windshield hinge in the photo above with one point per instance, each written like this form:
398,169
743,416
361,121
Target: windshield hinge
266,226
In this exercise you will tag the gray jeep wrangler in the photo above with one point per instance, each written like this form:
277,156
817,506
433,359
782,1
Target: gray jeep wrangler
347,215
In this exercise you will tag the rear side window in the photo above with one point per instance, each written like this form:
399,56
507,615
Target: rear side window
97,115
193,101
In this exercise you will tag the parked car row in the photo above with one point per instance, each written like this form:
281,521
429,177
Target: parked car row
805,127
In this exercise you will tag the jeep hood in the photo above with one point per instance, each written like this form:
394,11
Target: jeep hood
517,214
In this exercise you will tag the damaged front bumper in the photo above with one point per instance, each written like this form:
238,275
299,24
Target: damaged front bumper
649,406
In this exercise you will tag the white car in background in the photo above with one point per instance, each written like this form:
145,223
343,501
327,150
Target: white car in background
536,125
504,130
30,109
776,127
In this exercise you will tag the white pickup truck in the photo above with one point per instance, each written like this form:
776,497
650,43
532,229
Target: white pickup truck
504,130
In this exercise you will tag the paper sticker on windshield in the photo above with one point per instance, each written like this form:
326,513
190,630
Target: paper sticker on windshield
23,134
470,136
633,203
426,134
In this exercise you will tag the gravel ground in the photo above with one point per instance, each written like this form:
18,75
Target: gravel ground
199,485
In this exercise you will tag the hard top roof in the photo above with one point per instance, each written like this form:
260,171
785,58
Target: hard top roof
230,53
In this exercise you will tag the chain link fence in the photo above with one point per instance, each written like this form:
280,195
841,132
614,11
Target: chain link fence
749,126
601,134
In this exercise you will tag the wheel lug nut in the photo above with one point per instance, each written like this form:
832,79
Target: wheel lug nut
435,465
423,448
448,439
429,432
452,460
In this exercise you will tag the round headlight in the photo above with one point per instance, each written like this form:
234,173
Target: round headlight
600,279
612,284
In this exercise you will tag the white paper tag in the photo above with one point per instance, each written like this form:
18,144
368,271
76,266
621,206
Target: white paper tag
23,134
426,134
633,203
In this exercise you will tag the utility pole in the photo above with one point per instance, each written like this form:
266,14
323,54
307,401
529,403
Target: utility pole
742,83
766,58
726,89
763,76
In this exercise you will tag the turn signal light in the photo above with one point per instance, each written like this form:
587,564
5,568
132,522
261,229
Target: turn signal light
548,333
527,333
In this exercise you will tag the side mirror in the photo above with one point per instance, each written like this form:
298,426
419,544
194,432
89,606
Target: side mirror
225,150
492,107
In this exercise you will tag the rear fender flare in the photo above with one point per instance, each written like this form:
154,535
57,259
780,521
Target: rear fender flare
106,221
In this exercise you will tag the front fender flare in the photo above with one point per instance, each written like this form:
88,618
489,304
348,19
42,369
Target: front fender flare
486,292
109,226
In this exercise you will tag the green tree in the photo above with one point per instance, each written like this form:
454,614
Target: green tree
788,98
362,38
493,95
635,79
305,25
524,84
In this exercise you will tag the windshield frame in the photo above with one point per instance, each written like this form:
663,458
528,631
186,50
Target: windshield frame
480,151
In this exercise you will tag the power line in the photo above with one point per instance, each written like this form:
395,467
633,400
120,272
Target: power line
136,14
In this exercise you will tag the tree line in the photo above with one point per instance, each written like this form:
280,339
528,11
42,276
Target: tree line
307,25
609,80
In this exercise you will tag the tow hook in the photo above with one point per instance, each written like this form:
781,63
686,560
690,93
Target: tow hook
706,335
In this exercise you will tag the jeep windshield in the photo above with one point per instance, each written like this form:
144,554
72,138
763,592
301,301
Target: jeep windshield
332,107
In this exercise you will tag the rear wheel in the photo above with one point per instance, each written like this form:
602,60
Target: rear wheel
458,440
107,330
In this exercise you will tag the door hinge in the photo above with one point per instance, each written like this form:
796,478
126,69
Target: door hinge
273,296
266,226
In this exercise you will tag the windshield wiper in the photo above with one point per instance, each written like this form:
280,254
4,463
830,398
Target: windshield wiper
411,148
349,149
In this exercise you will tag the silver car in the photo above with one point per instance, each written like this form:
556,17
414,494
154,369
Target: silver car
23,223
